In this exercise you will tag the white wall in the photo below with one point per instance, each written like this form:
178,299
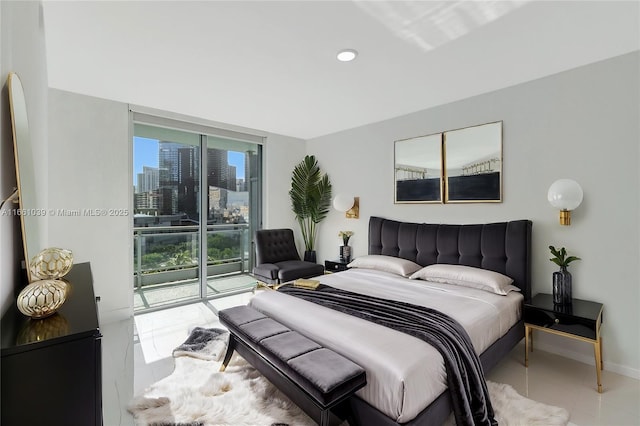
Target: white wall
282,154
581,124
23,52
90,173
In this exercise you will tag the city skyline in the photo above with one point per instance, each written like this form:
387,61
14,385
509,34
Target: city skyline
145,153
173,187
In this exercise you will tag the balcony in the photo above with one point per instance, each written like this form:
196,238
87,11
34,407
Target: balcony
167,270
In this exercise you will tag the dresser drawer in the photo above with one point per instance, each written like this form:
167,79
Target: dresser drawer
566,323
335,266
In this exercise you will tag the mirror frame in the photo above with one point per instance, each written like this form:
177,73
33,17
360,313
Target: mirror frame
469,172
25,173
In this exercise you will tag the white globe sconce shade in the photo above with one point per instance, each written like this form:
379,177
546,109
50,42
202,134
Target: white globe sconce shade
565,195
348,204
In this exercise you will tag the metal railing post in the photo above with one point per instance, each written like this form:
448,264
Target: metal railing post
138,238
242,251
194,246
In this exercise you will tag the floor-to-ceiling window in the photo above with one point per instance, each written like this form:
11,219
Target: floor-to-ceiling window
197,200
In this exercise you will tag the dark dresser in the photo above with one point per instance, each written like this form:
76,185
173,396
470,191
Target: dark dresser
51,368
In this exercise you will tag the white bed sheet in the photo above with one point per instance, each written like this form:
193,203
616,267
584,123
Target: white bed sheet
404,374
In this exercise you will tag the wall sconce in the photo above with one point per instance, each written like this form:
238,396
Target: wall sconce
348,204
566,195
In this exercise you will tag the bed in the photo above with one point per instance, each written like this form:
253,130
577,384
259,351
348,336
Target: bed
406,378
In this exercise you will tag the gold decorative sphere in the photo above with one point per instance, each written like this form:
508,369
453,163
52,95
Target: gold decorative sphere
51,263
42,298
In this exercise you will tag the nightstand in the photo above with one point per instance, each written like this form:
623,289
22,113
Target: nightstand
581,321
335,265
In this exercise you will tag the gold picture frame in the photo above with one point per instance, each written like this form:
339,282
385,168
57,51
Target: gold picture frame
455,166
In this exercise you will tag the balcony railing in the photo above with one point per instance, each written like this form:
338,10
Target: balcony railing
168,255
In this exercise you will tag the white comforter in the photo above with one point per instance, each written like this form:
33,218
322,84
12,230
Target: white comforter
404,374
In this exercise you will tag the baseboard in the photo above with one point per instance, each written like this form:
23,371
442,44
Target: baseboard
590,360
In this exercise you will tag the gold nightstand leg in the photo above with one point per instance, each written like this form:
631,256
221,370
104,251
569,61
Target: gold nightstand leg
601,358
597,347
527,343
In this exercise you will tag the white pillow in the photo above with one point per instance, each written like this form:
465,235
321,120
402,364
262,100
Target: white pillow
466,276
395,265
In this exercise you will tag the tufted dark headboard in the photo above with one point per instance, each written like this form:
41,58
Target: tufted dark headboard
503,247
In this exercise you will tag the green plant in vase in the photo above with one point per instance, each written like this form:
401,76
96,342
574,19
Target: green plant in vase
562,291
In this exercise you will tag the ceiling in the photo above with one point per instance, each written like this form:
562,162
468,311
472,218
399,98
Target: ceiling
271,65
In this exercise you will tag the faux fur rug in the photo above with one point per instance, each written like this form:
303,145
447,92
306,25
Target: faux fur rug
196,394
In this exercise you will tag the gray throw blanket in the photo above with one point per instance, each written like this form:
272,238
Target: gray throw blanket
465,377
204,343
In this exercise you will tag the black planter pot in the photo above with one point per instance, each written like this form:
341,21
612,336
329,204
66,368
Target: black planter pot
310,256
562,293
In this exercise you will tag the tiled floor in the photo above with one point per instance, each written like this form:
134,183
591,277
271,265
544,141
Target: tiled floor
158,333
560,381
550,378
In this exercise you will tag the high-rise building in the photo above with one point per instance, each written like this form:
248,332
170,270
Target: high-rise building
179,184
148,180
168,162
231,178
217,203
188,182
218,168
178,178
147,202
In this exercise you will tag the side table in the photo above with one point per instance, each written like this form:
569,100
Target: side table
335,265
581,321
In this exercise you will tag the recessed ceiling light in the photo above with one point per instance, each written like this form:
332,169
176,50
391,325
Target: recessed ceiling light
347,55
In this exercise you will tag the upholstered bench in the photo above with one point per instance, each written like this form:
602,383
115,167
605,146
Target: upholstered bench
317,379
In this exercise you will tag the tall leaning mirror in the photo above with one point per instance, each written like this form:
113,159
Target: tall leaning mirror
25,174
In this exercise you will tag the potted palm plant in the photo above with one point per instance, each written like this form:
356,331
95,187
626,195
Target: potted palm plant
310,200
562,292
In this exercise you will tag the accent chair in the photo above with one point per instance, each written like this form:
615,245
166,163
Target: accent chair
277,258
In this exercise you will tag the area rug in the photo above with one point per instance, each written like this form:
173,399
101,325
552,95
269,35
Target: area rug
196,394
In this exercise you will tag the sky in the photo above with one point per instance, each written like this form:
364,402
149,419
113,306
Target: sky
145,153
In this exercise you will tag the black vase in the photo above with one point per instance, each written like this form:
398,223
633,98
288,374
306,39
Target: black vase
310,256
345,253
562,294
